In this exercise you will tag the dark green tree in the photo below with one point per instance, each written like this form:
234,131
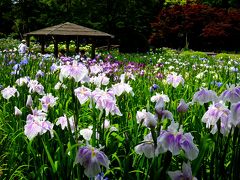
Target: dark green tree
6,22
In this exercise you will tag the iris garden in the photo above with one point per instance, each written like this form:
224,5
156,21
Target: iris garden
160,115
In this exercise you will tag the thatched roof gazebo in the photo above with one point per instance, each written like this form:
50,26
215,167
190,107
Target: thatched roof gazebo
66,32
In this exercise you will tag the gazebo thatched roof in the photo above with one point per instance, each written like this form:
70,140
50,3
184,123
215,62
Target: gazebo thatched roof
69,29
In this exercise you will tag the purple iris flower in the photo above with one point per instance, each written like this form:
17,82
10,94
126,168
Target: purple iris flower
39,73
46,56
142,73
203,59
54,67
11,62
175,140
218,84
109,57
185,174
204,96
182,107
24,61
234,69
100,176
163,114
232,94
91,159
160,65
159,75
235,113
154,87
16,67
66,59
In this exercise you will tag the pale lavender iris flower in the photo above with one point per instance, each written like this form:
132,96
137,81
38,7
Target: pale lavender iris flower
95,69
217,111
9,92
35,86
100,80
174,79
122,87
83,94
29,102
77,71
106,100
54,67
17,111
48,101
160,97
37,124
63,122
23,80
147,147
147,119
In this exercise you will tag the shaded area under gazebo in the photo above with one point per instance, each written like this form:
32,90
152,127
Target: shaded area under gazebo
67,32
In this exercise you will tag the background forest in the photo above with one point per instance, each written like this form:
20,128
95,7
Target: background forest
199,24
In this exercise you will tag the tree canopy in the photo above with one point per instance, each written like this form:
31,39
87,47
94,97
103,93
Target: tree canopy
111,16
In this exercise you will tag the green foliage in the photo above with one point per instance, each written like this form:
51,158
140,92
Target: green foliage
228,56
222,3
108,15
175,2
8,43
52,156
189,54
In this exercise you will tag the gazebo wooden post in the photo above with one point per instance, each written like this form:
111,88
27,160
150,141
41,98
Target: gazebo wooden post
93,48
55,46
42,42
67,46
77,45
108,44
28,40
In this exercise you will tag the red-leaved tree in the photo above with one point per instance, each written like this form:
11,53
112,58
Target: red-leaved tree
200,26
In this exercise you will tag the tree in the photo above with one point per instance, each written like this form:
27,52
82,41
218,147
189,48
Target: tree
5,13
